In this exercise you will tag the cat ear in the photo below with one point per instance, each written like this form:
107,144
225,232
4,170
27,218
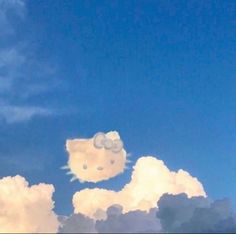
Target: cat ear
76,145
72,145
69,145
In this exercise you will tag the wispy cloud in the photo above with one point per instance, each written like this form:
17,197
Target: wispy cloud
17,83
11,57
10,61
22,74
14,114
10,7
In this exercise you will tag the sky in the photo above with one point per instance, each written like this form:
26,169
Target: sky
161,73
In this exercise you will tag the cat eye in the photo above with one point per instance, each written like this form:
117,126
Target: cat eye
99,139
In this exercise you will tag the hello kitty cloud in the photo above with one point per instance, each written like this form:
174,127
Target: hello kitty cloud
95,159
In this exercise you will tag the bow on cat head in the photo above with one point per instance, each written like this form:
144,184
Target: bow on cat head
101,141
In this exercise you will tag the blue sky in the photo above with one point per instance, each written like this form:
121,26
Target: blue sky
161,73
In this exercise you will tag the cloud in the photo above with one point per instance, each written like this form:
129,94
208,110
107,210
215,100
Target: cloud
11,57
22,73
116,222
149,181
178,213
98,158
176,209
131,222
77,223
18,6
14,114
15,84
26,209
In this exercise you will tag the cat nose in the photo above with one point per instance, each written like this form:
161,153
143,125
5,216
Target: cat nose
100,168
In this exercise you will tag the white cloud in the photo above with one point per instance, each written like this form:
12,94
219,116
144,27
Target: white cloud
150,180
26,209
90,160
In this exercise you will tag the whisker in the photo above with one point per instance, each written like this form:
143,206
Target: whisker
73,179
69,173
65,167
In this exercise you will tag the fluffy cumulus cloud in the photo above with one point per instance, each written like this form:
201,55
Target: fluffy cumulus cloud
150,180
98,158
26,209
178,213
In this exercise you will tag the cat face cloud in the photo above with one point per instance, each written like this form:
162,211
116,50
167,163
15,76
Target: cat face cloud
98,158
